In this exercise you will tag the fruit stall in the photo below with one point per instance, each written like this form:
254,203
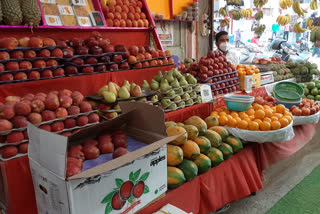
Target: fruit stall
90,100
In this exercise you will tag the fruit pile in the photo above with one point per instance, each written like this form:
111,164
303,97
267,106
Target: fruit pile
257,118
281,72
306,108
63,112
183,66
272,60
303,71
312,90
142,57
204,144
176,90
124,13
215,70
244,70
115,143
266,100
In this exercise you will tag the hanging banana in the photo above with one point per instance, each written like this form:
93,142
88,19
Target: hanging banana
297,8
285,4
260,3
223,11
283,20
298,29
236,15
258,15
246,13
224,22
314,5
309,24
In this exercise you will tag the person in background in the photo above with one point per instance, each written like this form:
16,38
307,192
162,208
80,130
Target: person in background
275,29
286,31
255,39
222,43
316,51
238,38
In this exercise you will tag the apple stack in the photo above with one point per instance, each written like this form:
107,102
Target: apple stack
63,112
29,58
145,57
114,143
216,71
124,13
175,90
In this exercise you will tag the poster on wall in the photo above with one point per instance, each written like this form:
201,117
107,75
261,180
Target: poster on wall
166,35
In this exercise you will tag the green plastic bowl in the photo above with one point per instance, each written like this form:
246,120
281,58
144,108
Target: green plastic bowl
289,91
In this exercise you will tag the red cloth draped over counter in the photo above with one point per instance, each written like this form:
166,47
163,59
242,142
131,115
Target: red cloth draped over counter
201,110
235,178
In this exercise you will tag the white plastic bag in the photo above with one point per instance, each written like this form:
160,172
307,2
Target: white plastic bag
301,120
170,209
281,135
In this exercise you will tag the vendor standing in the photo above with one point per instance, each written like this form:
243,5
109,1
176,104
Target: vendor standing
223,44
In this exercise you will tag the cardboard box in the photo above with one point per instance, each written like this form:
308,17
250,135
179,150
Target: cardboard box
96,190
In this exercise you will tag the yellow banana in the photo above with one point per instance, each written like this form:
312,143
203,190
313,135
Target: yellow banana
289,18
283,4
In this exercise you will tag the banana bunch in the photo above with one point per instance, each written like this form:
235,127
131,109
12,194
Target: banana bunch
309,24
236,2
259,30
259,15
298,29
223,11
224,22
297,9
283,20
285,4
236,15
246,12
259,3
314,5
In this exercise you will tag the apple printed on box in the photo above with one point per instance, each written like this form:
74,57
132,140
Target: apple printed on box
126,191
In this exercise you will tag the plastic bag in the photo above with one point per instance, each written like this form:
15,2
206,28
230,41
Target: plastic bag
170,209
301,120
281,135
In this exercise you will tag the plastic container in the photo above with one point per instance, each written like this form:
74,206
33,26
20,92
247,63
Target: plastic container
238,102
288,91
288,104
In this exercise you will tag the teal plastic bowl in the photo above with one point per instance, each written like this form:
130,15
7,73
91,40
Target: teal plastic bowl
238,102
288,104
288,91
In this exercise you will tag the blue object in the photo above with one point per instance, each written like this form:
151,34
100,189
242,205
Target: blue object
176,60
238,102
288,104
231,39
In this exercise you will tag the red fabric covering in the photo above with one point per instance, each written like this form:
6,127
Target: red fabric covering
201,110
233,179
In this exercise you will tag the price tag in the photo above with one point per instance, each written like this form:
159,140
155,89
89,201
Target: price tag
65,10
206,93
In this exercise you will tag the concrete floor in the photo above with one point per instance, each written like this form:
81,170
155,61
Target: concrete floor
280,179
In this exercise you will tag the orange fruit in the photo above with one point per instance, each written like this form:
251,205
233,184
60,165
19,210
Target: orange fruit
265,126
257,106
247,119
227,111
286,113
238,119
267,119
259,114
243,115
242,124
253,126
275,125
279,116
234,114
284,122
267,107
229,117
274,118
268,112
232,123
258,121
280,109
223,120
252,117
273,109
214,113
250,112
288,118
222,113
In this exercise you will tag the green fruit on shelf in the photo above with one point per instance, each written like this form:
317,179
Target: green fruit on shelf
314,91
175,177
306,91
318,98
311,85
310,97
226,150
203,163
189,169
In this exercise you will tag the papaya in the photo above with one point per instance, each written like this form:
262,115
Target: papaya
180,124
223,132
215,156
235,143
170,123
176,130
211,121
226,150
192,131
213,137
175,177
190,150
174,155
197,122
189,169
203,163
203,143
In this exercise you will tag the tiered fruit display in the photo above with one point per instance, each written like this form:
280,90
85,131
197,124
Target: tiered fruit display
271,60
312,90
142,57
202,145
303,71
185,64
114,143
244,70
124,13
266,100
176,90
306,108
257,118
281,72
63,112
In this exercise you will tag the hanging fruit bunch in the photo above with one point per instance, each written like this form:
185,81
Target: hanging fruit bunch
260,3
223,11
285,4
259,30
246,13
297,9
298,29
314,5
236,15
309,24
315,35
258,15
224,22
236,2
283,20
